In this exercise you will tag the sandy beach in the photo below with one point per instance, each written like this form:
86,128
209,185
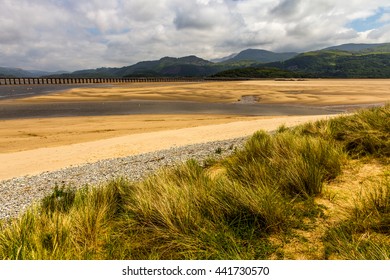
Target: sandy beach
30,144
28,134
35,161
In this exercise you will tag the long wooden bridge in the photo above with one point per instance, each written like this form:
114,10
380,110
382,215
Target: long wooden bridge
65,81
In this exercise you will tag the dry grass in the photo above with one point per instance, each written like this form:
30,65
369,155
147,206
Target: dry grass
365,231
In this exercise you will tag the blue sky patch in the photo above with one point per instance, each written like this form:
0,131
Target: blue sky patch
94,31
372,22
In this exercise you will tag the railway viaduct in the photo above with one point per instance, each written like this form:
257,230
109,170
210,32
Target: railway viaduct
61,81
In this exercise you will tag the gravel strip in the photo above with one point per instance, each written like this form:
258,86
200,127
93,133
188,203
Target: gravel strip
17,194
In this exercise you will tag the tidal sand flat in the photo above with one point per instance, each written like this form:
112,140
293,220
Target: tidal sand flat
317,92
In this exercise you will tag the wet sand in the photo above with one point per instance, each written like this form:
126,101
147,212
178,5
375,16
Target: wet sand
145,107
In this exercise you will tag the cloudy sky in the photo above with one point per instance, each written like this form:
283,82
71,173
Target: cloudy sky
78,34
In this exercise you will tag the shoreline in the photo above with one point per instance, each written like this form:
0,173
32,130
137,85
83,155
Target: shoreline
11,93
19,193
144,107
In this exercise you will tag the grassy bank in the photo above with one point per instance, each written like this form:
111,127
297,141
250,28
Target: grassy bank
279,197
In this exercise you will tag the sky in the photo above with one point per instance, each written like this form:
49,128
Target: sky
70,35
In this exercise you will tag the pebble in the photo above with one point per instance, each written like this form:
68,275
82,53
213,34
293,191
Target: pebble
18,194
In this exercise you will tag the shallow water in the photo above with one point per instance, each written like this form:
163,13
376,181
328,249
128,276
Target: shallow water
21,91
70,109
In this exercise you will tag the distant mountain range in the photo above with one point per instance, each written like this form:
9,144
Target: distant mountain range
344,61
192,66
20,73
348,60
166,66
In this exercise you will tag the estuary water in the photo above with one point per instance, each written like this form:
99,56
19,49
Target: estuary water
21,91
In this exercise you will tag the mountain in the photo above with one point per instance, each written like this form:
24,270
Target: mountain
223,59
90,73
39,73
20,73
352,47
15,72
371,62
261,56
169,66
257,72
341,65
381,48
188,66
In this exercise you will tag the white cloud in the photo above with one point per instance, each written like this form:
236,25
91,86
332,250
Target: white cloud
73,34
385,18
380,35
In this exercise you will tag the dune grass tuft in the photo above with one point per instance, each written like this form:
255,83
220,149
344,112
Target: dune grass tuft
293,165
364,133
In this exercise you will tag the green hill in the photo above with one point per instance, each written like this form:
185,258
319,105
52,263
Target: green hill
339,64
383,48
188,66
353,47
169,66
260,56
257,72
371,62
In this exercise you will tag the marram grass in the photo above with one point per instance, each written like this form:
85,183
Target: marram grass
366,132
294,165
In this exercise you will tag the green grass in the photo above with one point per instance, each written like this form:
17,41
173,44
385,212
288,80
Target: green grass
220,209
